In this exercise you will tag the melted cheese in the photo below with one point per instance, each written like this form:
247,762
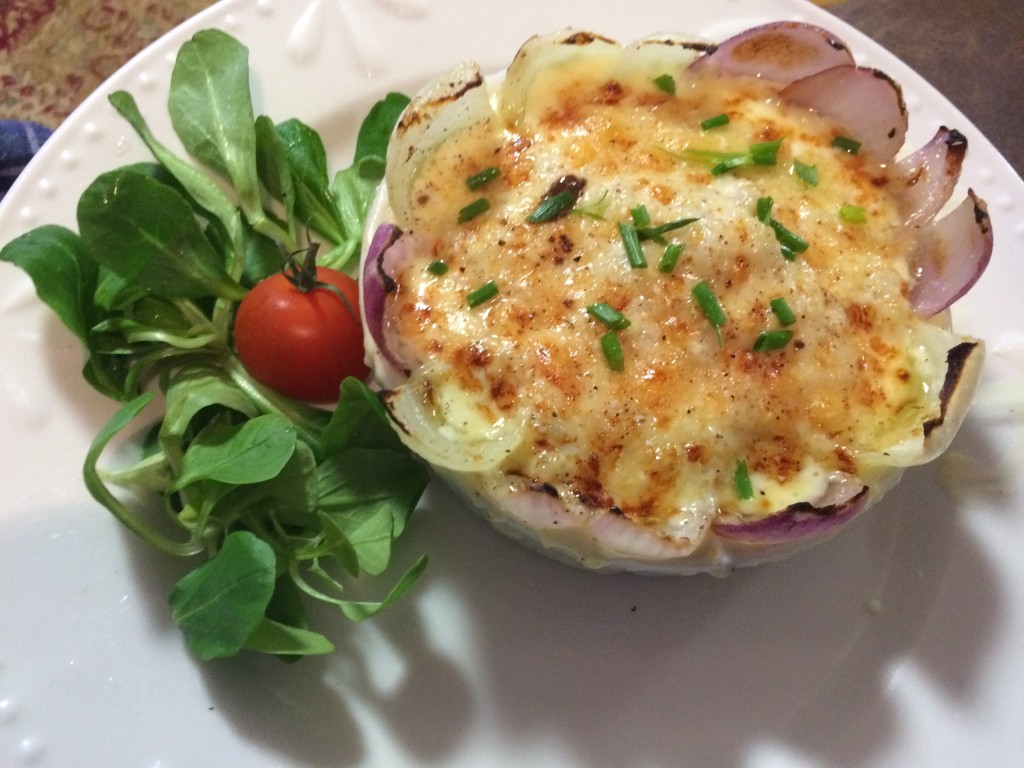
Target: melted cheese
660,440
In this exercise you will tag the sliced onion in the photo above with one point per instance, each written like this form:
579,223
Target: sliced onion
866,103
652,57
452,102
449,427
952,254
782,52
547,52
799,522
925,180
620,537
539,507
374,287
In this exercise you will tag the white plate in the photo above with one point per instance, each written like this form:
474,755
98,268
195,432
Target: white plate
901,642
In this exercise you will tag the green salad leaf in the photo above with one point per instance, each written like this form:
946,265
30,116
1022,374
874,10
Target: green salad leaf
280,502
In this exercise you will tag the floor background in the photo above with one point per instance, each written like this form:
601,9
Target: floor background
53,53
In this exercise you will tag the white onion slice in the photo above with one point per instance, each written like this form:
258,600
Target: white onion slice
447,427
451,103
545,53
651,57
617,536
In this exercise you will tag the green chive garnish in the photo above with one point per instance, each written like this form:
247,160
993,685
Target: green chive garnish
853,214
787,238
669,258
594,210
612,351
479,295
709,305
641,218
667,83
808,174
741,477
761,153
846,144
609,315
730,163
768,341
631,241
789,241
656,234
474,209
437,267
552,207
765,152
714,122
480,178
782,311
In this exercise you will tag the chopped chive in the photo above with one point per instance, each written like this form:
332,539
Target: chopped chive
594,210
741,477
669,258
846,144
782,311
656,234
729,164
854,214
714,122
631,241
788,253
667,83
765,152
708,155
768,341
554,206
612,351
764,209
641,218
787,238
808,174
609,315
474,209
709,305
480,178
437,268
478,296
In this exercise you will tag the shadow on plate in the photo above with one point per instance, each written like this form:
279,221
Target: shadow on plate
561,667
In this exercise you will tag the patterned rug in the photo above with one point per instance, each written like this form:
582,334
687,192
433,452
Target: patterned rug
54,53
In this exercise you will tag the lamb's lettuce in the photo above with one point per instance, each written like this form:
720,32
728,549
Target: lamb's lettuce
285,502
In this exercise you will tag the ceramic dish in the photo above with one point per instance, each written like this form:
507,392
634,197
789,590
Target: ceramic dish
900,642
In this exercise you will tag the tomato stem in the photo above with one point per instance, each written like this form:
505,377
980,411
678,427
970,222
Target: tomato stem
302,274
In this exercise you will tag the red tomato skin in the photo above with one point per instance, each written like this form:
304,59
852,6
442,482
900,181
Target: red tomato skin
302,344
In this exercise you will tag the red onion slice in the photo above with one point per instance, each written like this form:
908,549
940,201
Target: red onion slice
796,523
781,52
866,103
925,180
376,283
952,255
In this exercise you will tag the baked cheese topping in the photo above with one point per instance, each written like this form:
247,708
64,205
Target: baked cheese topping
697,396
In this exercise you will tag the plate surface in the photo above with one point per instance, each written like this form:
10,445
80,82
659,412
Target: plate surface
900,642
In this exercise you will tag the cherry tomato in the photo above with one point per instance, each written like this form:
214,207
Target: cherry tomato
302,341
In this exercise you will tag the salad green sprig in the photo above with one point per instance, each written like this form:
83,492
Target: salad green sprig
284,501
